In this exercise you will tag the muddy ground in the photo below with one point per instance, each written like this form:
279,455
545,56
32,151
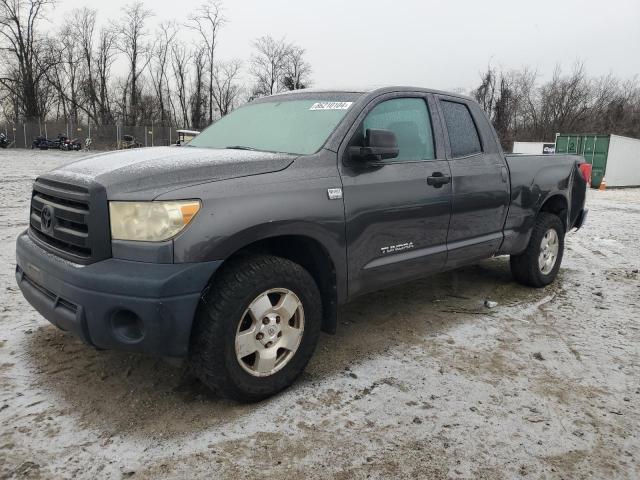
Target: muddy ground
421,381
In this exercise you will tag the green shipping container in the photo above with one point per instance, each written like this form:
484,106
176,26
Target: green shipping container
594,149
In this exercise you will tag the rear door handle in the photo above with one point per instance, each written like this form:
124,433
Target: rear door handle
438,179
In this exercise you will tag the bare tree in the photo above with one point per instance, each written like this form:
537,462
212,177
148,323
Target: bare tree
69,75
96,56
267,65
159,68
131,35
198,98
24,70
564,101
522,109
526,111
83,36
485,94
207,21
65,75
297,71
81,74
226,89
105,57
180,67
620,113
120,92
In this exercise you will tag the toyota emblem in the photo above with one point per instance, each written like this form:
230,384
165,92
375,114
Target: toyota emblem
46,218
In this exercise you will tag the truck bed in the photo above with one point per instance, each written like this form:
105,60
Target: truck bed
535,179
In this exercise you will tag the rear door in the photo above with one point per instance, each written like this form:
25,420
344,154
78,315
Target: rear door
396,222
480,183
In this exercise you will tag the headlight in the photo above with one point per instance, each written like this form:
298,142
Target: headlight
150,221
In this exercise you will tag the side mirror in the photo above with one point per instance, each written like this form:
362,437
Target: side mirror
378,145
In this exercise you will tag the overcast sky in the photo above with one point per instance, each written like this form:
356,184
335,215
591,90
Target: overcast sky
431,43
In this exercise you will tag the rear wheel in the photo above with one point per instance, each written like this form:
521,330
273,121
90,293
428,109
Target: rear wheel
256,328
538,265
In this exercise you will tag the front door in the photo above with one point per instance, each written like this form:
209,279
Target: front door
396,222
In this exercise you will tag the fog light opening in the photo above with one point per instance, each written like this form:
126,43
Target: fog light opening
127,326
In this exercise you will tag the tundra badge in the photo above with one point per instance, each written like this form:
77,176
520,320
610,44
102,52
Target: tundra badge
396,248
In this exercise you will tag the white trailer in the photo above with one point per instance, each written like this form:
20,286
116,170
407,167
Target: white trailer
613,157
623,162
534,148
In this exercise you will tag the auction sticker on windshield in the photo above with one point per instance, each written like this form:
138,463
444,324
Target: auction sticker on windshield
331,106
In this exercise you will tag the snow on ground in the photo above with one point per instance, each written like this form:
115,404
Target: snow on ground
421,381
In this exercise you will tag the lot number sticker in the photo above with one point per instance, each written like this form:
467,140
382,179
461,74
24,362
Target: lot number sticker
331,106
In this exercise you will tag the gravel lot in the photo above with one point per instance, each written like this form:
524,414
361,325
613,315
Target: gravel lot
421,381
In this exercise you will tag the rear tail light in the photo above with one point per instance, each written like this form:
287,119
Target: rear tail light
585,169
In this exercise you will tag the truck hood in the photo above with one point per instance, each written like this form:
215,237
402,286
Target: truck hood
145,173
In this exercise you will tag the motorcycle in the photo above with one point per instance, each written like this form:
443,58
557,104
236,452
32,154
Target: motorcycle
43,143
129,141
4,143
71,145
40,142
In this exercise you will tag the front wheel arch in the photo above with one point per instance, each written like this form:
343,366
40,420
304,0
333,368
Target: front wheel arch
312,255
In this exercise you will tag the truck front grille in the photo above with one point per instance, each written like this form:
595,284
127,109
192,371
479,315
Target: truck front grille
70,220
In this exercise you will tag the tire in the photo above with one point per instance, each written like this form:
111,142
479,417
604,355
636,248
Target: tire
526,268
224,316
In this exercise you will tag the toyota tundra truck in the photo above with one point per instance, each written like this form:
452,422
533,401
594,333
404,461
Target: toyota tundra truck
235,250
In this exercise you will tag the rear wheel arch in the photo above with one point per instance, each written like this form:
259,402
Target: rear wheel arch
528,267
558,205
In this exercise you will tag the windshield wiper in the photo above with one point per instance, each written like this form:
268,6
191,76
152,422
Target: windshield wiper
240,147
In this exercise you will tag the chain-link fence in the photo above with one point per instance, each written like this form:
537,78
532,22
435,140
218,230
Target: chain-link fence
101,137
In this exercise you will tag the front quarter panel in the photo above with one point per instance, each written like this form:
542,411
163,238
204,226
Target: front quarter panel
238,212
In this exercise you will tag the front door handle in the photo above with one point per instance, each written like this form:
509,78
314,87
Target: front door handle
438,179
504,174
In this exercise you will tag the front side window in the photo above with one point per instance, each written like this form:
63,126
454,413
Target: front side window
289,126
463,135
408,119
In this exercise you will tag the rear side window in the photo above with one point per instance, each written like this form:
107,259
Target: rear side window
463,135
409,119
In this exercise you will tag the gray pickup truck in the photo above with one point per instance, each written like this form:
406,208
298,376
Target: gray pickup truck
236,250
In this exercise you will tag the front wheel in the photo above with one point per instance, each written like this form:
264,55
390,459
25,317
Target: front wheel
256,328
538,265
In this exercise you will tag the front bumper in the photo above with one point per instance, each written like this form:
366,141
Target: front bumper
115,304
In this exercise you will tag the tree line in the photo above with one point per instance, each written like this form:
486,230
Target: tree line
68,74
523,108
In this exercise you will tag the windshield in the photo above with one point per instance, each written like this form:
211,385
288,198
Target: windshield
289,126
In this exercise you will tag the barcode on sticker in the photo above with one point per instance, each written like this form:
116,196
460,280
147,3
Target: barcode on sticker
331,106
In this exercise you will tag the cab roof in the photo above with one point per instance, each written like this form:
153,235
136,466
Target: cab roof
372,90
